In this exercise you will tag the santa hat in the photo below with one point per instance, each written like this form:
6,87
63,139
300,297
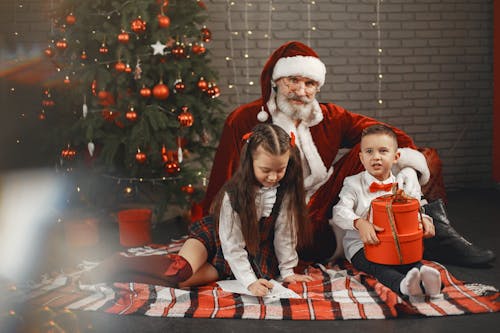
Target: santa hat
291,59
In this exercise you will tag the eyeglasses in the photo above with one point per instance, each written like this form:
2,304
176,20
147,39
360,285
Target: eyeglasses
295,83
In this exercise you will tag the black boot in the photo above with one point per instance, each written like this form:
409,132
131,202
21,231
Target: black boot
448,247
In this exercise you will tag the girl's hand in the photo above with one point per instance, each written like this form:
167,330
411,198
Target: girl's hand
298,278
261,287
428,226
367,231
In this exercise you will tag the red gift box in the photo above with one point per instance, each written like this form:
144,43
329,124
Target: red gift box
135,227
401,241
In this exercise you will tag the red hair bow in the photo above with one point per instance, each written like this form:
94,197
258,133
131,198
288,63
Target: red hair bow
292,139
246,136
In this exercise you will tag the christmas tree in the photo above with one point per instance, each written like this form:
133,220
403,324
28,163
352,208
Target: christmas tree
133,98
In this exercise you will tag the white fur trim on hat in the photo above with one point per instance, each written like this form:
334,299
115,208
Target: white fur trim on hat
306,66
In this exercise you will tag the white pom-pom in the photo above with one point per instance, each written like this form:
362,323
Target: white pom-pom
262,116
91,148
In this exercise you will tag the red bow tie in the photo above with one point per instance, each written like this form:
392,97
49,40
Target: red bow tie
375,187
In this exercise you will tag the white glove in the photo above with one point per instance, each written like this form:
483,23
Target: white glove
408,181
414,159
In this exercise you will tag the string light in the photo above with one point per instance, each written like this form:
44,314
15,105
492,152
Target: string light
310,27
379,57
269,26
142,180
247,62
309,24
234,84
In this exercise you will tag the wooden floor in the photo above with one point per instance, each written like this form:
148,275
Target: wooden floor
474,213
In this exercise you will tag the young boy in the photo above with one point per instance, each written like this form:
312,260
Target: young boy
379,153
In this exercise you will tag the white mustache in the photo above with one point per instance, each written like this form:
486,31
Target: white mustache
294,97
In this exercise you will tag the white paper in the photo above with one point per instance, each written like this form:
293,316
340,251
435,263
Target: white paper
278,291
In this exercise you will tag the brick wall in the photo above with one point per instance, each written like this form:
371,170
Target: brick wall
436,63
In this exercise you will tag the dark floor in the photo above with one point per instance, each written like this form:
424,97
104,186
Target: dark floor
474,213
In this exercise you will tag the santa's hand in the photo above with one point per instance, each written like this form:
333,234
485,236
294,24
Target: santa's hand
408,181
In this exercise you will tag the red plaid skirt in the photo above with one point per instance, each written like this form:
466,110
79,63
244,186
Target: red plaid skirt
264,263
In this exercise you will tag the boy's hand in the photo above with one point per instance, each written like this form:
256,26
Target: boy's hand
367,231
429,230
298,278
261,287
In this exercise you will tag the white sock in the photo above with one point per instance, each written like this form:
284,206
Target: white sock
410,285
431,279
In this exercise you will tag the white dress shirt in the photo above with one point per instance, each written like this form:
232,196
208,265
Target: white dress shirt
355,200
233,243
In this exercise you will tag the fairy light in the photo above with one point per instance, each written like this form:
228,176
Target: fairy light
310,27
230,59
16,35
309,24
379,56
269,26
20,6
247,62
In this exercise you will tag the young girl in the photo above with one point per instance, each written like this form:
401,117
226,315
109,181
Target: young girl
379,152
256,222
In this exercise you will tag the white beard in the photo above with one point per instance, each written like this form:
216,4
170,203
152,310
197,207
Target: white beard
295,112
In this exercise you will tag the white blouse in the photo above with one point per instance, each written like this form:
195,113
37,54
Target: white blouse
233,243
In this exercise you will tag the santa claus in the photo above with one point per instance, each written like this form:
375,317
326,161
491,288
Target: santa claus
328,137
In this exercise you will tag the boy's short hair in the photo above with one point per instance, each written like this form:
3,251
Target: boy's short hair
380,129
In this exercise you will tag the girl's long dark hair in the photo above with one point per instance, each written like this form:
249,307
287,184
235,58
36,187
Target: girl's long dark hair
243,185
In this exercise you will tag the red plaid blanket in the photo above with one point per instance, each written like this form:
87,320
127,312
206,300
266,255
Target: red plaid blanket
338,292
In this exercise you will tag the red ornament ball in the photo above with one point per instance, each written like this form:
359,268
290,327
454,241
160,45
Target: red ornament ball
145,92
62,44
68,153
131,115
185,118
83,55
172,167
120,66
49,52
188,189
179,86
206,35
70,19
138,25
202,84
140,157
163,21
198,48
103,94
161,91
123,37
103,49
179,51
216,91
93,87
